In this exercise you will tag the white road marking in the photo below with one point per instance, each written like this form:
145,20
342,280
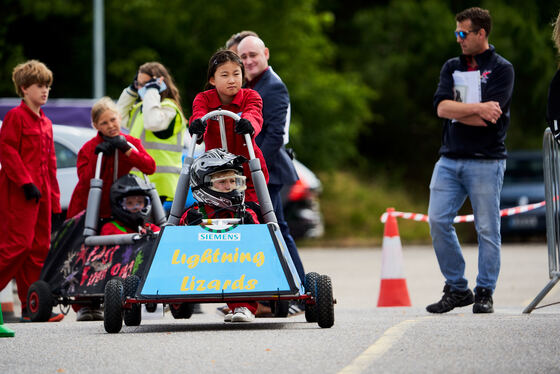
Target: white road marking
380,347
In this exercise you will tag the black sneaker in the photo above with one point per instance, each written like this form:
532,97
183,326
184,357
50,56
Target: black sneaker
451,300
483,302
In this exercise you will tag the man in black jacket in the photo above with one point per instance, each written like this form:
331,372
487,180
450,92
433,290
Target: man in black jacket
472,160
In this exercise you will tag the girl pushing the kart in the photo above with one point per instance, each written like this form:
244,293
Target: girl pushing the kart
225,78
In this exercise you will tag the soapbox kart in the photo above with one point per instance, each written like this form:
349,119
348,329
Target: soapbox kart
80,263
218,261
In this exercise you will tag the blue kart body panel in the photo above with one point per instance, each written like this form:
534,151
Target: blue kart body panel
201,262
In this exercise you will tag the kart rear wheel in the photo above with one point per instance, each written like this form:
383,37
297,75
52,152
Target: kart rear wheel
182,311
132,316
325,302
113,312
281,308
310,286
151,307
39,301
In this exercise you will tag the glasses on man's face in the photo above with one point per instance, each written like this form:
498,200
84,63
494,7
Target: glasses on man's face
463,34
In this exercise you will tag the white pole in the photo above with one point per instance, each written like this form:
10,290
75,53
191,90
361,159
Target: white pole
98,49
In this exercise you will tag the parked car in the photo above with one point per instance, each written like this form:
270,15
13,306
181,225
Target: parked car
67,142
523,184
301,204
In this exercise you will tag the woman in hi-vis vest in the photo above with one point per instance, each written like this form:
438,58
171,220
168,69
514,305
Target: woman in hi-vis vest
151,111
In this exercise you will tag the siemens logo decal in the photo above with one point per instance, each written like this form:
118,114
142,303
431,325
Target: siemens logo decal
214,236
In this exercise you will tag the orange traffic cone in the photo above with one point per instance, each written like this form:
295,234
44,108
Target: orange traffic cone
393,291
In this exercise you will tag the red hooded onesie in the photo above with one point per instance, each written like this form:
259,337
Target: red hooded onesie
26,156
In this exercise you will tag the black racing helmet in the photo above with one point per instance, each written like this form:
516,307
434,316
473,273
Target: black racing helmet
129,214
217,179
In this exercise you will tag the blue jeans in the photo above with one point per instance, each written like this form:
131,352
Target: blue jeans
452,181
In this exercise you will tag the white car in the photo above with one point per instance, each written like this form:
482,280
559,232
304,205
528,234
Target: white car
67,142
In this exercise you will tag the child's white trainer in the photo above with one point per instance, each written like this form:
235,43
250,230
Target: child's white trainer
242,314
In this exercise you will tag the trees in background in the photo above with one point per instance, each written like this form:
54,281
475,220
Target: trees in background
361,75
399,48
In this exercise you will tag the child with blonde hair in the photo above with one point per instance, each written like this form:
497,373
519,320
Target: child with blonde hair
111,141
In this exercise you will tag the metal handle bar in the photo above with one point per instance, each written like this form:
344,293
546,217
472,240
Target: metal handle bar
220,113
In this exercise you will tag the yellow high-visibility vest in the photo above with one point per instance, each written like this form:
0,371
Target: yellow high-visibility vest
167,153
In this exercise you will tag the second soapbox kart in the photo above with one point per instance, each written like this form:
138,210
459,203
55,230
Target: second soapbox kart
218,261
80,262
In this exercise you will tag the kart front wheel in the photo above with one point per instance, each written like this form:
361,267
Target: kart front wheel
132,316
113,310
311,286
325,302
39,301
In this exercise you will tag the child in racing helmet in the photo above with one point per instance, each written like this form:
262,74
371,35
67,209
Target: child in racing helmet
130,206
218,184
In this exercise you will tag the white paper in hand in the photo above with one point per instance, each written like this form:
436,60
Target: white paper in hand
466,87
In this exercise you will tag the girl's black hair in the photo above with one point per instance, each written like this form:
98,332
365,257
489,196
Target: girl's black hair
219,58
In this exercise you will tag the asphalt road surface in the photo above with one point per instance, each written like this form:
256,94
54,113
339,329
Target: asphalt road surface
364,339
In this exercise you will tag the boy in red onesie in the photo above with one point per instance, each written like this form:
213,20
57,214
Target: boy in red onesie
107,120
218,184
29,192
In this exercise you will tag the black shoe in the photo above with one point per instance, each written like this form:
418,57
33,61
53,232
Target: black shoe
483,302
451,300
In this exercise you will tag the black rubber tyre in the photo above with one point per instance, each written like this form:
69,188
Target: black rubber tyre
325,302
132,316
311,286
182,311
113,310
39,301
281,308
151,307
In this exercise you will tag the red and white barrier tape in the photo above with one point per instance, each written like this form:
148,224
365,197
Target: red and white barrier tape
468,218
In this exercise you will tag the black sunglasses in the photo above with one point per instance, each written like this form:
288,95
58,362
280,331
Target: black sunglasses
463,34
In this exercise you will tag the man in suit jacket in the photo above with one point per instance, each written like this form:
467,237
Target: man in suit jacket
274,133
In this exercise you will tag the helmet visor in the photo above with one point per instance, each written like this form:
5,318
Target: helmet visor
227,182
134,203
